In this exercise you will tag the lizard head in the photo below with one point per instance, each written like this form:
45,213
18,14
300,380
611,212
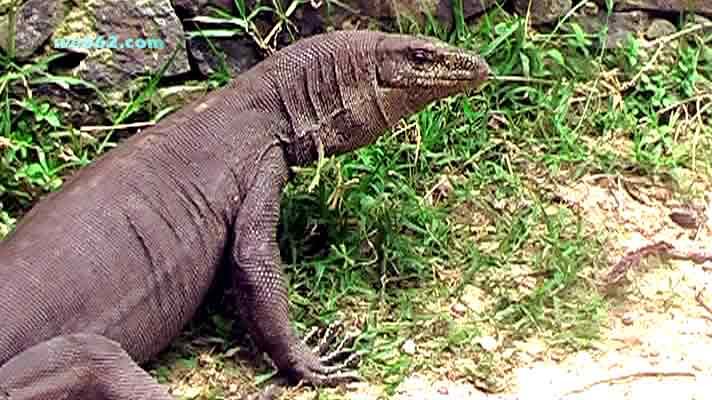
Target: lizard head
344,89
412,72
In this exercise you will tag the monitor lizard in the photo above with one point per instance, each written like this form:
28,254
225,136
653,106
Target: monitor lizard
101,275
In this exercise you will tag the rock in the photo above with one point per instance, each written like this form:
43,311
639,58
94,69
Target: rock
240,54
659,28
316,16
409,347
470,8
389,8
79,106
673,6
442,10
192,8
543,11
189,8
589,17
177,96
152,23
621,25
628,318
310,20
396,9
35,21
488,343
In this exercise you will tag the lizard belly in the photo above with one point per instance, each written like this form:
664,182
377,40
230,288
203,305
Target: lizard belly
175,265
135,277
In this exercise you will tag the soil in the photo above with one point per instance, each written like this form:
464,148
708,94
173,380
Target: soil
657,339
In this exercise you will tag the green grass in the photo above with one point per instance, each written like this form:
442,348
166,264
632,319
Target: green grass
453,207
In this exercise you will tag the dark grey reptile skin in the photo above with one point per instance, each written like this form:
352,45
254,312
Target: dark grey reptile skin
100,276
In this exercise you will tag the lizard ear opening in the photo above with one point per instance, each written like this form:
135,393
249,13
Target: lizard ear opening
386,73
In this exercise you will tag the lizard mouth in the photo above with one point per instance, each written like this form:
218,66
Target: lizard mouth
471,71
463,82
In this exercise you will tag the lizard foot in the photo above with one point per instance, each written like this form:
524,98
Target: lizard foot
329,362
317,365
339,357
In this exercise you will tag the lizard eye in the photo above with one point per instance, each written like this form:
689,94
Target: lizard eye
420,56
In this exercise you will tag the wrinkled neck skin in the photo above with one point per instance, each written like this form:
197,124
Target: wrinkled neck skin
328,92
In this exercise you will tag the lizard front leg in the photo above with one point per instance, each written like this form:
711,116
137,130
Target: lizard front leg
78,366
259,279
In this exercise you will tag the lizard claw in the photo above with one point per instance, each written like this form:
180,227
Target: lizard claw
320,366
317,365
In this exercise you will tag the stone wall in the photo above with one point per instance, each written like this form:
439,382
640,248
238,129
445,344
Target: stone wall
40,24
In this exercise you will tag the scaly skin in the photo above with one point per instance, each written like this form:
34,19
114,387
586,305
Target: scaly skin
101,275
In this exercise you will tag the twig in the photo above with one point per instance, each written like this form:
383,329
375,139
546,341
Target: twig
643,70
659,44
670,38
647,374
633,259
698,257
704,305
508,78
676,104
345,6
698,129
660,248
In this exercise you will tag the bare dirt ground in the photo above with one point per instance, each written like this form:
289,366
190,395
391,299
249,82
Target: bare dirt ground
658,337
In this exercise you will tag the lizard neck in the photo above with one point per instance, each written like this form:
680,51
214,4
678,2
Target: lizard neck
329,100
